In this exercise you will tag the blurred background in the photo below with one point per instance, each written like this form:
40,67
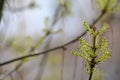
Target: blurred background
32,26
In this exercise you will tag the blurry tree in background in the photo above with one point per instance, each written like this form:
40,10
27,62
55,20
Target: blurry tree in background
37,37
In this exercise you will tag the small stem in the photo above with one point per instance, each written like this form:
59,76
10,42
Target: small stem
91,73
2,2
93,63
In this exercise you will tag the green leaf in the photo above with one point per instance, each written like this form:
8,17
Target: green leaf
66,8
19,47
46,21
103,29
87,26
58,31
86,58
105,56
103,46
99,47
91,31
40,41
68,4
84,42
102,3
97,41
81,55
76,53
86,48
29,41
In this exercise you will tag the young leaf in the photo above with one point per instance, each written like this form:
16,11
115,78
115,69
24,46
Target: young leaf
103,45
102,3
58,31
97,41
29,41
90,52
84,42
104,57
87,26
46,21
103,29
76,53
39,43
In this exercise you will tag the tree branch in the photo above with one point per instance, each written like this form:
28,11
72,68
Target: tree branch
53,49
2,2
2,77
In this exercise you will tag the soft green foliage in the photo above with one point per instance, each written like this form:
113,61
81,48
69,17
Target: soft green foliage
87,26
110,6
103,29
102,3
96,52
103,50
58,31
48,30
29,41
90,31
39,42
24,45
20,45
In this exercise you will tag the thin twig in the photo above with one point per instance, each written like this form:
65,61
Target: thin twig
92,62
2,2
12,71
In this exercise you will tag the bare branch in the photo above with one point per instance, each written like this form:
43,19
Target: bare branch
11,72
2,2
